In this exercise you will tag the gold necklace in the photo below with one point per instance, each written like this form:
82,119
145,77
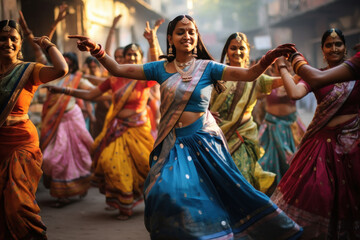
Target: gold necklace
184,64
186,75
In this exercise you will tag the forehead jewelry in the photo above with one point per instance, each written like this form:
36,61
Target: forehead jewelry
6,28
238,37
333,33
185,20
134,47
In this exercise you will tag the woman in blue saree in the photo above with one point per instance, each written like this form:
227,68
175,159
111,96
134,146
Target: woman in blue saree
194,190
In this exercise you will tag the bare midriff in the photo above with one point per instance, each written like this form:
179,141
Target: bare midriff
340,119
280,109
126,113
188,118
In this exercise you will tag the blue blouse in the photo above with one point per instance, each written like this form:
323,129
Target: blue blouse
200,98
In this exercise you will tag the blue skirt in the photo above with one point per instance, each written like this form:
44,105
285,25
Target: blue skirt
200,194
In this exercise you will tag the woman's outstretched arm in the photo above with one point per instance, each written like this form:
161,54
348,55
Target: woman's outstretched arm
252,73
133,71
317,78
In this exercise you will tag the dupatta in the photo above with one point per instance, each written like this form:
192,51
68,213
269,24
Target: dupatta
54,108
11,86
119,100
175,95
328,107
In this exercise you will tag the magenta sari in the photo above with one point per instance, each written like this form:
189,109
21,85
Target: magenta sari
321,189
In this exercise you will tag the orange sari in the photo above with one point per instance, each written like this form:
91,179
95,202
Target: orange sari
20,168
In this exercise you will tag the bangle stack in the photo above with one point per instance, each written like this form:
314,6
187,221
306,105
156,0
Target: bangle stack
297,60
66,90
98,52
46,44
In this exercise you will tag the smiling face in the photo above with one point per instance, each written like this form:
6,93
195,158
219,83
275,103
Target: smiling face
334,50
237,52
10,44
133,57
119,55
184,37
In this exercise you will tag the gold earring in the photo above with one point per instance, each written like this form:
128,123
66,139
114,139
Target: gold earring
170,54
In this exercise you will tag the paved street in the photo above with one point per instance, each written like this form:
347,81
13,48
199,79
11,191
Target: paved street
87,219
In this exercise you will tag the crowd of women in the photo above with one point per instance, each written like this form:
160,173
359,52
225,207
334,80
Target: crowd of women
203,169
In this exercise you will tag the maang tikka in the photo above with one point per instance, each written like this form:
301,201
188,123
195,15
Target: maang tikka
6,28
333,33
185,20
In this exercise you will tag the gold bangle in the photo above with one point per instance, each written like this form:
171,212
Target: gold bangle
298,66
295,64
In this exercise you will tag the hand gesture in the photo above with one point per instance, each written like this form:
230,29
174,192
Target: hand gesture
116,20
272,55
84,43
62,12
23,24
283,50
150,33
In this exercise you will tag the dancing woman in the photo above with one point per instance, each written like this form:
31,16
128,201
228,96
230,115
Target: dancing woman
194,190
64,139
20,155
281,131
120,153
233,109
321,188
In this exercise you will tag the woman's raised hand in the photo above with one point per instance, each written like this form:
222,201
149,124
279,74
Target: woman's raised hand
85,43
282,50
150,33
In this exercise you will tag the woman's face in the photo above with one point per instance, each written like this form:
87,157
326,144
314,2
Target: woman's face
94,69
237,52
133,57
334,50
184,37
10,44
119,56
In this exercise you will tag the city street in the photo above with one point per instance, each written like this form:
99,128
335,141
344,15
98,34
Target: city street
87,219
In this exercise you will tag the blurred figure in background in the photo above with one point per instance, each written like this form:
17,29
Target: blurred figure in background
281,131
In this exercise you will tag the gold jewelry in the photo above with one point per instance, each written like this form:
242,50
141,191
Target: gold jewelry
238,37
185,20
134,47
170,51
184,64
6,28
298,66
186,75
333,33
